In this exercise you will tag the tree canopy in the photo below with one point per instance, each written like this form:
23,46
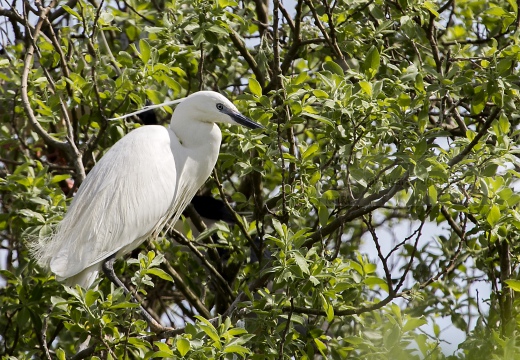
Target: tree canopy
377,206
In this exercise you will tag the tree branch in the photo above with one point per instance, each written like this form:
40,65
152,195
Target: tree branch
363,206
25,97
241,47
238,219
183,288
331,39
476,139
222,283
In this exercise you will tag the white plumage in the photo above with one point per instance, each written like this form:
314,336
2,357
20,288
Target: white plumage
145,180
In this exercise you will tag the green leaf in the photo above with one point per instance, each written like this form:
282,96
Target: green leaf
370,281
316,175
150,255
310,150
183,346
300,78
58,178
236,331
322,348
162,354
301,262
278,227
421,148
144,47
163,347
323,214
436,329
503,124
404,100
504,66
432,194
330,195
71,11
514,5
106,18
154,96
124,305
333,68
32,214
372,62
254,87
218,30
138,342
153,29
369,268
496,11
478,100
90,297
431,7
171,83
60,354
210,330
160,273
513,284
125,58
224,3
366,87
319,118
414,323
320,94
493,215
329,310
237,349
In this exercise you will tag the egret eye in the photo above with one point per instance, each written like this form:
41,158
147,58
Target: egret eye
220,107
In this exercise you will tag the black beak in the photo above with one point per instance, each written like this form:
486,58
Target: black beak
241,119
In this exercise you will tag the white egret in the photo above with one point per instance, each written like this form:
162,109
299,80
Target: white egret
143,182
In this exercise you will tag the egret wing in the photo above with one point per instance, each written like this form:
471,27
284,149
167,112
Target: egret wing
124,199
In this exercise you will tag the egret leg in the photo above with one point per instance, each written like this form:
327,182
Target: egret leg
108,270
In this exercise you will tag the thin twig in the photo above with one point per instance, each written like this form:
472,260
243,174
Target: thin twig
181,239
361,207
412,255
190,296
286,330
241,47
331,39
138,13
476,139
201,67
383,259
44,333
238,219
68,147
29,54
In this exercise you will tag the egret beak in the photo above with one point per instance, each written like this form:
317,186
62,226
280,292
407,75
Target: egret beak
241,119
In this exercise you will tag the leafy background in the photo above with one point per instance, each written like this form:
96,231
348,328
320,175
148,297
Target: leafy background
377,207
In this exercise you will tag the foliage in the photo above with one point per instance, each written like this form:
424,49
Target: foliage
379,198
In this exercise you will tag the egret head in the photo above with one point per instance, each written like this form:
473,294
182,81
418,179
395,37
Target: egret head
212,107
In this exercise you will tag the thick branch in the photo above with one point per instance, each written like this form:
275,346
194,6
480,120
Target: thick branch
262,8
